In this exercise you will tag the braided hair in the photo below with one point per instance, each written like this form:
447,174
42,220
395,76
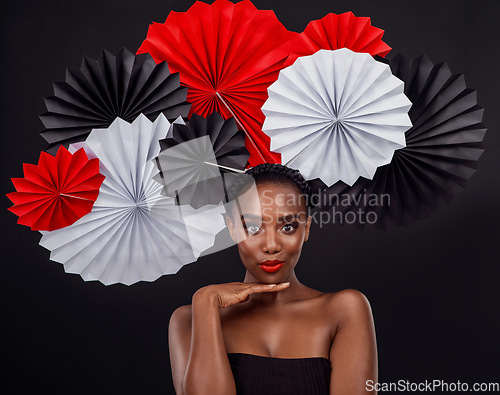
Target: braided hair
274,173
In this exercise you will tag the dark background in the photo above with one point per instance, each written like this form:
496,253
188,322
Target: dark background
433,287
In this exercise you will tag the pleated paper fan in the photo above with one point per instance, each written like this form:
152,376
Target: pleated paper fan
56,192
227,55
193,158
336,115
441,153
339,31
101,90
227,140
133,232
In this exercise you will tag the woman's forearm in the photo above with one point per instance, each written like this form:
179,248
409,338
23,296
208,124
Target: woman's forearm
208,370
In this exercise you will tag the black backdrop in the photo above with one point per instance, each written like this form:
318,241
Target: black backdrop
433,287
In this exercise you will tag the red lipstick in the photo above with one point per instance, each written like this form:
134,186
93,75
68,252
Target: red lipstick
271,266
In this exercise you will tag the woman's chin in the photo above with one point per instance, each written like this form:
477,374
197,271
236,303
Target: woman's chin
276,277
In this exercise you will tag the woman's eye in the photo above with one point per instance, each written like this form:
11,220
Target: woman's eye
290,227
251,229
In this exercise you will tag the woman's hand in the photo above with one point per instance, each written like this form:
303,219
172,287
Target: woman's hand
228,294
197,350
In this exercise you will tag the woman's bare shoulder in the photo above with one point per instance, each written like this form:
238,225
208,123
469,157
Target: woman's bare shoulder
348,303
347,296
181,317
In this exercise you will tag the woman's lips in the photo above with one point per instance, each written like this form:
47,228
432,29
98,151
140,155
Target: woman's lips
271,266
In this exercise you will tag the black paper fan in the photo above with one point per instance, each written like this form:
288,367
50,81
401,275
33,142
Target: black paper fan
199,160
112,86
441,153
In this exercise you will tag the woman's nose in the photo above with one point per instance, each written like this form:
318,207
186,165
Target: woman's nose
271,243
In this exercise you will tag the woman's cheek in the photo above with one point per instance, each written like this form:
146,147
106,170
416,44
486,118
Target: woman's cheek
293,244
248,247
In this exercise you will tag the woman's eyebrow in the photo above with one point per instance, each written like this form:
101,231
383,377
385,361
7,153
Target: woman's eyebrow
288,217
251,216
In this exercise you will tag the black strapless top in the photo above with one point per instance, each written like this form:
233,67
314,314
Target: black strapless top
260,375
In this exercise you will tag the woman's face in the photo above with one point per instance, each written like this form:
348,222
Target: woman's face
270,226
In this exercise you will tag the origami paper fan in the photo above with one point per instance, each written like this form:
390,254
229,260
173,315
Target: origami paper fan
336,115
227,141
227,55
441,153
56,192
339,31
101,90
133,232
193,157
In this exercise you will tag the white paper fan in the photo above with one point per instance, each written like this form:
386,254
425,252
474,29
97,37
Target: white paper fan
336,115
133,233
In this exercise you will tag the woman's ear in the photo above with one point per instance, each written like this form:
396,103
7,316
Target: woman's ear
308,227
230,227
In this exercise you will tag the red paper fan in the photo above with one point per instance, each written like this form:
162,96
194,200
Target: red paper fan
227,55
339,31
56,192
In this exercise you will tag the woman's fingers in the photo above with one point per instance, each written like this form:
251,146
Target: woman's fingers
237,292
258,288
